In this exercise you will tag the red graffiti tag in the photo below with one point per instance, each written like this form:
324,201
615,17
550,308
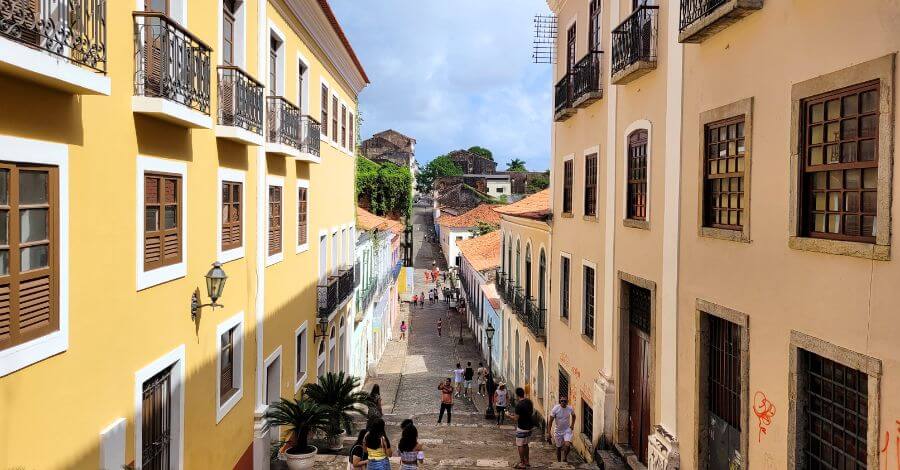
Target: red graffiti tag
887,445
764,411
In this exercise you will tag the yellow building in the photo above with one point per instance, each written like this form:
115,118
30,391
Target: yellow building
140,143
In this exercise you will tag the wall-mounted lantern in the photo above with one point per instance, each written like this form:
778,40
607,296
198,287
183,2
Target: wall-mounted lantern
215,285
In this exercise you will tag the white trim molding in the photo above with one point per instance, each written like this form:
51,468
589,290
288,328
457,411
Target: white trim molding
237,352
171,272
176,360
21,150
593,266
50,70
277,257
636,125
235,176
299,381
168,110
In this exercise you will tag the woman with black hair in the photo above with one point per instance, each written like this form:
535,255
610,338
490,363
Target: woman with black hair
358,457
375,405
378,447
411,453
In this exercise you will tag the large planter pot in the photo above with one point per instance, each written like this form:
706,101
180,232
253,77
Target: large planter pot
336,442
301,461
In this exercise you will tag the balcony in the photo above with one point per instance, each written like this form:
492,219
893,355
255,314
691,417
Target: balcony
335,292
171,72
58,44
586,84
312,138
535,318
240,106
634,45
562,104
283,127
701,19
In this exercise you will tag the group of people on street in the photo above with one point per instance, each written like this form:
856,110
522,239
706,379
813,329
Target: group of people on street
373,450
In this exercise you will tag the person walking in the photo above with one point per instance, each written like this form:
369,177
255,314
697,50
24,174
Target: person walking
375,410
440,325
446,400
411,452
468,376
491,387
378,447
415,300
524,415
501,401
422,300
458,378
480,377
358,457
563,415
403,329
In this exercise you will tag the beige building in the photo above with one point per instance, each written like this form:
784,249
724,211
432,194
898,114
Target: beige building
697,341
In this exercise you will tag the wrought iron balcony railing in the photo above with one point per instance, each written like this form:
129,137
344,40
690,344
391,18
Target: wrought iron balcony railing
693,10
635,39
283,122
327,294
312,135
700,19
73,30
536,319
357,275
587,84
240,99
170,62
563,94
345,284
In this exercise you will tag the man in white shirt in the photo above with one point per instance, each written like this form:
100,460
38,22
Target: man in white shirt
458,378
564,416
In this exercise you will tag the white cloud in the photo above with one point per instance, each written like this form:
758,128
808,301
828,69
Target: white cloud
453,74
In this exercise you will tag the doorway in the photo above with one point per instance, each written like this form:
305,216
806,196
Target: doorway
636,361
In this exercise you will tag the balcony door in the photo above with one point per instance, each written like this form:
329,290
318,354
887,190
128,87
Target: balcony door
571,60
154,47
639,370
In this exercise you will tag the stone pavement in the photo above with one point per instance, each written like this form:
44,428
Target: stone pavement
408,375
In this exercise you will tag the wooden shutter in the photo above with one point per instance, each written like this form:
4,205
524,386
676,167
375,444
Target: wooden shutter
226,379
162,220
302,217
231,215
325,110
334,119
274,220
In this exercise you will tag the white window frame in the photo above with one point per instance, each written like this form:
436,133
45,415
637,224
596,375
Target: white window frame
323,256
236,176
171,272
334,252
568,319
336,141
302,380
237,351
275,356
240,33
592,265
303,94
177,8
176,359
15,149
321,357
278,87
323,82
636,125
302,183
272,180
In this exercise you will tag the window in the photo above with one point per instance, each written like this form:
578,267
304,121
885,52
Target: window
595,38
721,364
301,87
302,216
301,342
231,215
540,378
325,110
332,352
274,220
637,175
156,421
588,308
228,13
528,272
542,282
571,41
564,270
563,383
724,168
29,244
334,119
587,420
840,164
499,190
568,180
226,366
274,44
352,137
320,360
590,185
343,126
162,216
518,270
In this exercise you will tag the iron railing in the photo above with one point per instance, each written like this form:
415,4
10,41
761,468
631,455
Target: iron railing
312,135
536,319
282,122
634,40
587,75
240,99
327,296
170,62
693,10
357,275
563,98
345,283
72,29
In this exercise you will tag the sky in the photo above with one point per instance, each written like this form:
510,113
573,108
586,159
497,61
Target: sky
453,74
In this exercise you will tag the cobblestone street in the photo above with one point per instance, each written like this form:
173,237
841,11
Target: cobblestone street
410,371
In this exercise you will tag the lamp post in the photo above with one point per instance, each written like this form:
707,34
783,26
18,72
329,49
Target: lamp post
489,332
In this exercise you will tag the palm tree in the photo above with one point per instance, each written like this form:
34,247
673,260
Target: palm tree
516,164
301,416
335,393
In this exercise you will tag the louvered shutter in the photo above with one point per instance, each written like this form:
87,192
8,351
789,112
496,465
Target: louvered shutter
274,220
162,220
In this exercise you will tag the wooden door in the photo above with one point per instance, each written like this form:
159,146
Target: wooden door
156,421
155,44
639,392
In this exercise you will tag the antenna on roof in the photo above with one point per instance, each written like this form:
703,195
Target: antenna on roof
545,33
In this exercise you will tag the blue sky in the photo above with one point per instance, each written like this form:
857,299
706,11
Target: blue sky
453,74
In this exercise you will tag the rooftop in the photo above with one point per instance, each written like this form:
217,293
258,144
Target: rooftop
329,13
366,220
483,213
535,206
482,252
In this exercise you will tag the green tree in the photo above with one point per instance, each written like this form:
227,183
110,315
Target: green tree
516,165
479,150
437,168
483,228
385,189
538,182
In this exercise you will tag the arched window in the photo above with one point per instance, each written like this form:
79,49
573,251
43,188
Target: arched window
332,352
540,379
320,359
508,350
528,271
509,259
542,281
636,190
527,363
342,346
518,257
518,373
502,253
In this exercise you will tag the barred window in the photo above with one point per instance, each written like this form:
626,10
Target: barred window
564,270
637,175
563,383
590,185
587,420
568,177
588,308
723,185
840,164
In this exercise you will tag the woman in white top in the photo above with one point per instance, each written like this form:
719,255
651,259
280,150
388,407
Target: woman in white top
501,401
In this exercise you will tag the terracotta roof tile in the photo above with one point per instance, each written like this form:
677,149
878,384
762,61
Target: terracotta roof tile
536,206
490,291
483,213
366,220
482,252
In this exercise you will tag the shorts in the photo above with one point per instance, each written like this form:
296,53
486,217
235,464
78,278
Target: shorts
468,384
563,436
522,437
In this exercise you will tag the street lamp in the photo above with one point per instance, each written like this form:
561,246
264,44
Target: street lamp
215,284
489,332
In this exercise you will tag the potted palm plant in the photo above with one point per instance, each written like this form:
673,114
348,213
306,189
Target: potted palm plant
336,393
300,416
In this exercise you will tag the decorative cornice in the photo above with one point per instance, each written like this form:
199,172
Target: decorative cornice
556,5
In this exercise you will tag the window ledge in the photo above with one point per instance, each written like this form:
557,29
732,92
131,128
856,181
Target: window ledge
741,236
723,16
147,279
299,383
567,215
32,352
274,259
632,223
590,218
588,340
564,320
231,255
840,247
302,248
222,411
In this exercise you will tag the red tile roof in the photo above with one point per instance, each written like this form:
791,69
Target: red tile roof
536,206
490,291
329,13
483,213
366,220
482,252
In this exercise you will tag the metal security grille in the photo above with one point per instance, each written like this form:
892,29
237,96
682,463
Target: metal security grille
544,46
588,329
568,177
590,185
639,307
156,421
563,383
724,369
587,420
835,415
724,182
564,290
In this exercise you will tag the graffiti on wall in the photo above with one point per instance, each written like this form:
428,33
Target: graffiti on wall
886,449
764,411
